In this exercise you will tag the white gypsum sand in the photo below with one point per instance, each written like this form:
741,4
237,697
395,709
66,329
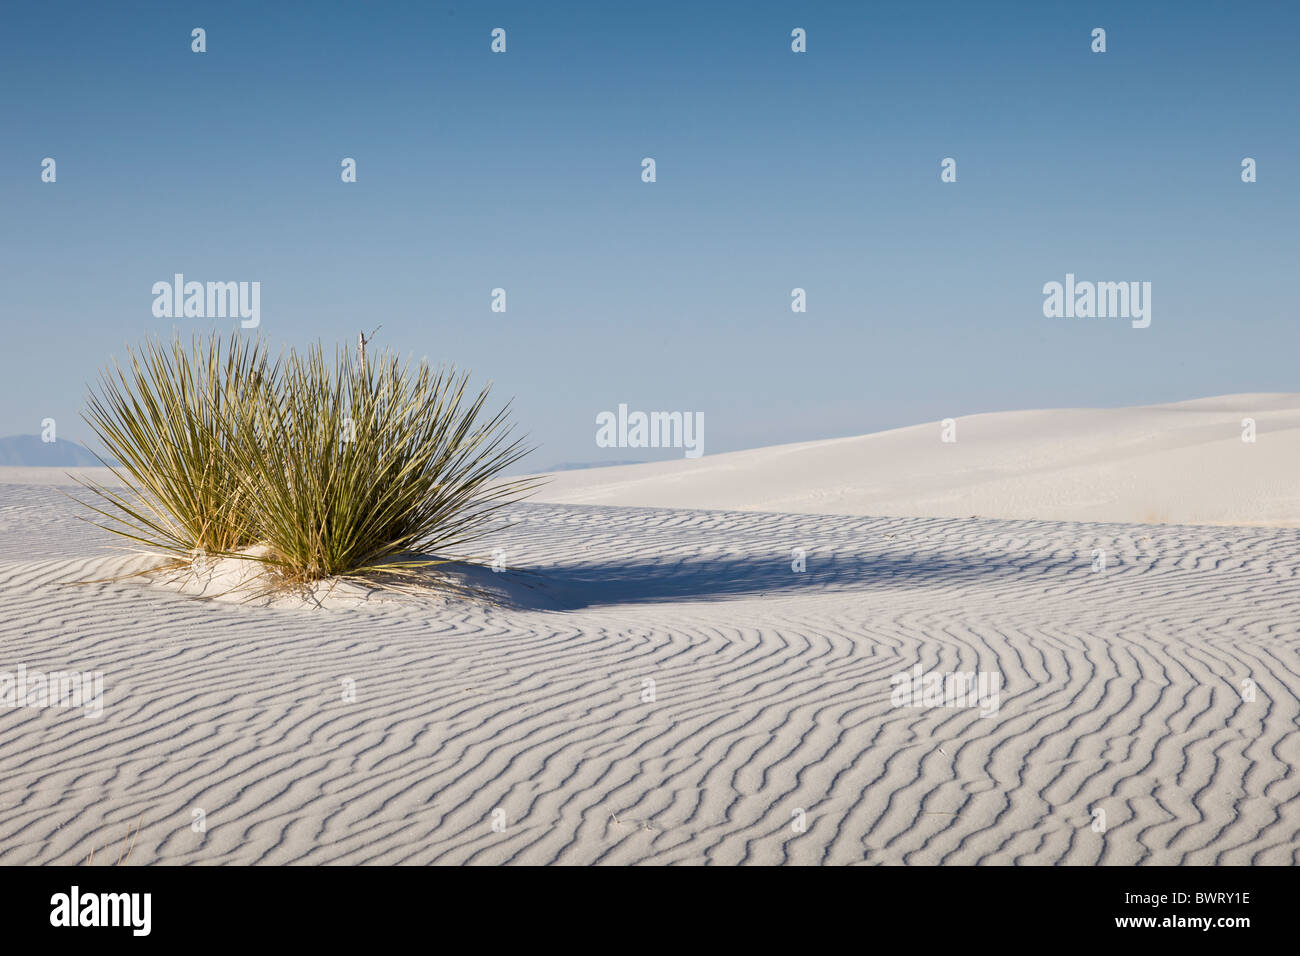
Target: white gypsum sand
1120,691
1180,463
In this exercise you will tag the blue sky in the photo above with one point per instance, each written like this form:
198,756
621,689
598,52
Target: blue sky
775,170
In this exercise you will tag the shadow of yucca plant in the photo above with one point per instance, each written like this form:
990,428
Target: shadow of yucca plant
333,468
170,417
362,464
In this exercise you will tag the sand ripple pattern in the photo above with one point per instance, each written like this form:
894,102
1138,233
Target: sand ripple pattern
1122,692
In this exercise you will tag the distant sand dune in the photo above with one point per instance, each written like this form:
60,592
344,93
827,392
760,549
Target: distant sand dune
1179,463
1122,693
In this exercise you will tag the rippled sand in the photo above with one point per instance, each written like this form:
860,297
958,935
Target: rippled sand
1121,691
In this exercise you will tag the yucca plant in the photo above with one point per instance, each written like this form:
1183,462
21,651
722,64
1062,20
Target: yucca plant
339,468
362,465
170,418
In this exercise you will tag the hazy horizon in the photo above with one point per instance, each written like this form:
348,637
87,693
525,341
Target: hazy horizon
531,463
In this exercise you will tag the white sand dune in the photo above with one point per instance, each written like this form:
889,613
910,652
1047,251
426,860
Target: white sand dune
1180,463
1121,692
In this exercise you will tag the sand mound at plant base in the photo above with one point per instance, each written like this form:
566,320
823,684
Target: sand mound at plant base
250,581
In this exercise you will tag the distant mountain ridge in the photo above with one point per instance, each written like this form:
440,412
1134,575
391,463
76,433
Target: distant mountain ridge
30,451
580,465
